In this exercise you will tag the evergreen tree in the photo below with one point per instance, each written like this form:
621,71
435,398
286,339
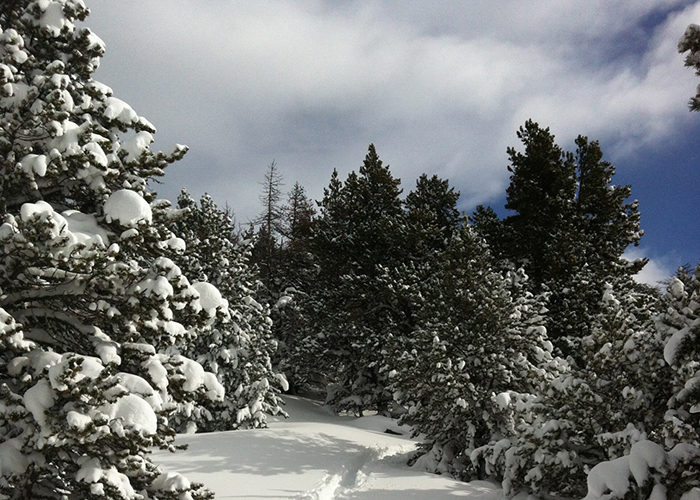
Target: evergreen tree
297,278
570,229
298,216
95,313
690,42
432,215
665,463
359,231
680,327
360,222
475,333
593,411
542,192
486,222
238,346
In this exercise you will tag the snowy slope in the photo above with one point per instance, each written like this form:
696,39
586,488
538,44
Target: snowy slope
314,455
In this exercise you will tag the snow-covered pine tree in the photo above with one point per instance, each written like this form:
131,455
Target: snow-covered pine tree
665,463
359,230
432,216
570,229
237,346
680,326
475,334
690,42
297,274
595,410
95,314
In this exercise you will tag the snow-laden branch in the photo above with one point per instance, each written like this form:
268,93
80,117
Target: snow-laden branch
72,288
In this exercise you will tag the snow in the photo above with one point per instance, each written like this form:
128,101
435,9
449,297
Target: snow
133,411
85,229
193,372
693,494
209,297
160,287
77,420
171,481
609,479
676,288
33,164
92,472
503,400
137,145
127,208
38,399
177,244
612,479
671,347
116,109
90,367
645,455
157,372
52,17
12,460
314,455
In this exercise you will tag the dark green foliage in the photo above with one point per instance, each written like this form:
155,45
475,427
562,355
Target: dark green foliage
293,283
680,326
94,313
690,42
589,413
361,221
570,229
238,346
432,216
541,192
476,333
360,230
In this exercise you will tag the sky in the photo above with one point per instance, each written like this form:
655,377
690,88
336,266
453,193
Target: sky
439,87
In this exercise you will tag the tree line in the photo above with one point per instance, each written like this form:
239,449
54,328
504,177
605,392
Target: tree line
521,349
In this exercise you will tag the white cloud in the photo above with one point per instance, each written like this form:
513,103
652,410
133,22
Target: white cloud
439,88
657,269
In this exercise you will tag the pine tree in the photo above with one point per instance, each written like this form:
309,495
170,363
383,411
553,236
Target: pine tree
297,278
238,346
298,215
476,333
542,192
570,229
432,215
486,222
665,463
690,42
594,411
95,313
359,231
680,327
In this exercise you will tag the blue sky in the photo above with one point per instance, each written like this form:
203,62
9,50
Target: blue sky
439,87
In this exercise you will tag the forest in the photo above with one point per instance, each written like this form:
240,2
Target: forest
520,349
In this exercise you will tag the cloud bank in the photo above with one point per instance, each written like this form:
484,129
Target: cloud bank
439,87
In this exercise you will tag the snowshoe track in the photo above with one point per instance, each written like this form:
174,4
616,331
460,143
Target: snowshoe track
350,478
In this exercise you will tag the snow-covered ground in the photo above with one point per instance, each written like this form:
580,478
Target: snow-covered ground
315,455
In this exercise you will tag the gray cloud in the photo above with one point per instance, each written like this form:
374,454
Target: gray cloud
438,89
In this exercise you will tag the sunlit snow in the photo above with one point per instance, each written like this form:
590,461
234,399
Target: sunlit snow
315,455
127,208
